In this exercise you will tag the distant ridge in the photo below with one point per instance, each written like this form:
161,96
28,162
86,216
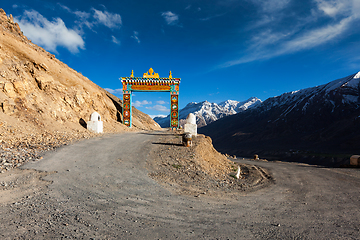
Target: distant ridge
325,118
207,112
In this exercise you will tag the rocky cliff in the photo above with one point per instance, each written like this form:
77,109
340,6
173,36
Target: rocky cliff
40,95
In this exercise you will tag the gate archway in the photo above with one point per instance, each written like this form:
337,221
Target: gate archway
150,82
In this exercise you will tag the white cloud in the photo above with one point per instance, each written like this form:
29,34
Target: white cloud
332,7
212,17
268,37
136,36
160,102
49,34
83,19
95,17
160,115
81,15
159,108
170,18
269,12
318,36
111,20
115,40
118,91
271,5
305,41
327,22
64,7
140,104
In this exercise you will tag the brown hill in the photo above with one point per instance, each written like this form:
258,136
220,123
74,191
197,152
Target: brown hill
43,102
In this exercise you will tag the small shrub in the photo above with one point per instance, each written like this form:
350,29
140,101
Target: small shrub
177,166
233,168
232,175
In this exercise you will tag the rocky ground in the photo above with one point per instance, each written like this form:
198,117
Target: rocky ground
100,189
200,170
17,149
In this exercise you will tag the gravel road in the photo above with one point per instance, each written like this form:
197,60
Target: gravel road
100,189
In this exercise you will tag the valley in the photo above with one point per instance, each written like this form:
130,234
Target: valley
318,125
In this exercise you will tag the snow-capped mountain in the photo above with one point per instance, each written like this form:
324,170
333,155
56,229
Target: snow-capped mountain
321,118
207,112
236,107
333,95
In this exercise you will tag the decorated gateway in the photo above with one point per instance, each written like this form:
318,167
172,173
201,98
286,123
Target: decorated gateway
151,82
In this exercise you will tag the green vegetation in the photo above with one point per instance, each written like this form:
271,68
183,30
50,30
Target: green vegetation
232,175
177,166
234,168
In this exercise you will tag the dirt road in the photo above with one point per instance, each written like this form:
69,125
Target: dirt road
100,189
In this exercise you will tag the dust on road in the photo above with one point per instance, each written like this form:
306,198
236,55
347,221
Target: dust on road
100,189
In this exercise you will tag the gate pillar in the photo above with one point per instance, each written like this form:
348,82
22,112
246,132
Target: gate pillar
127,109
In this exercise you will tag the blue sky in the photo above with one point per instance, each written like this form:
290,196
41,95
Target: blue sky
221,49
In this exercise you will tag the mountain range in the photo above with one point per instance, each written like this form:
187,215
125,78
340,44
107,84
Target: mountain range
207,112
300,124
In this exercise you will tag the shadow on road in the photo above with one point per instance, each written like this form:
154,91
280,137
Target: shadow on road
156,134
160,133
169,144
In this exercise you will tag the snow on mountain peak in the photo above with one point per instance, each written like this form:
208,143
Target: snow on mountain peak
207,112
236,106
344,90
357,75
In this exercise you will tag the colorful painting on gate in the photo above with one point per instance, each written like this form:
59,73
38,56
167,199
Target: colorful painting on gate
151,82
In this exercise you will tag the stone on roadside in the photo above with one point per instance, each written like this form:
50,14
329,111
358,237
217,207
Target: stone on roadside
355,160
190,125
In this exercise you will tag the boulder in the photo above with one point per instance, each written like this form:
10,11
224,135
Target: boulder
355,160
